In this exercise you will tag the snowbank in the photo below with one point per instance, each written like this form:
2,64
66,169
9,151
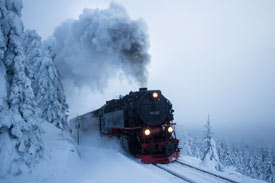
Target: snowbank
96,159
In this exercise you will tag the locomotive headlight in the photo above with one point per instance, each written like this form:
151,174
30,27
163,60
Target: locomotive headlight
155,95
147,132
170,129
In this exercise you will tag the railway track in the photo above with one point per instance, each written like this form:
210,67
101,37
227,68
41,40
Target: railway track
174,172
207,172
185,179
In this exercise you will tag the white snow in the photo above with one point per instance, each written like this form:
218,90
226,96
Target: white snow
227,172
101,160
98,160
211,158
3,91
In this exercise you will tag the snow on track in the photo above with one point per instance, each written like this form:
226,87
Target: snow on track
207,172
188,174
227,173
185,179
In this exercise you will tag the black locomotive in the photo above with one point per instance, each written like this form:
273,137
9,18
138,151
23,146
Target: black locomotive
143,122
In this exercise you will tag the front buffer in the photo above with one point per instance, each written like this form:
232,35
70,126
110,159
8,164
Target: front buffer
160,152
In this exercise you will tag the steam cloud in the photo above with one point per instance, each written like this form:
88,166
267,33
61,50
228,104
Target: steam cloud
101,43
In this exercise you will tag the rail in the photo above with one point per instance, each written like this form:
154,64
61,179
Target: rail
207,172
185,179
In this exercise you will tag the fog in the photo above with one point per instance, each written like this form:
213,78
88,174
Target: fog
208,57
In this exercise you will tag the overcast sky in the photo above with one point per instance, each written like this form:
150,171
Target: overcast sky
212,57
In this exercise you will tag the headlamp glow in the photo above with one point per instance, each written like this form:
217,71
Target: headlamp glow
147,132
170,129
155,95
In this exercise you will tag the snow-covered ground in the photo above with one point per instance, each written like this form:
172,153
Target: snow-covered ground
101,160
227,172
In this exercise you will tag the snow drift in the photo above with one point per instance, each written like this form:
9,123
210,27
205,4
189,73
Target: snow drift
98,45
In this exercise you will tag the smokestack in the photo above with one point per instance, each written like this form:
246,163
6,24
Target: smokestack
142,89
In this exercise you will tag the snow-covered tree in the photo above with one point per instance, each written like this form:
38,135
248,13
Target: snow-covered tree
21,145
46,84
225,154
273,168
210,157
185,143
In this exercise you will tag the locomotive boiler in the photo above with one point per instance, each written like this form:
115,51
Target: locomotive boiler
142,120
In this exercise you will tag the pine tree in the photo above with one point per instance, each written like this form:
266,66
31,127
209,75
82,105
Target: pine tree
186,146
210,157
266,166
21,144
224,153
273,167
46,83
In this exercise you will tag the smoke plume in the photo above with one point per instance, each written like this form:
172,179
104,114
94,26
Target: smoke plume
98,45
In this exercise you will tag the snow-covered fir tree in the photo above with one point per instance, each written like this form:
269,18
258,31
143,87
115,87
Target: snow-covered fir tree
251,160
210,157
273,168
254,160
46,84
186,147
21,145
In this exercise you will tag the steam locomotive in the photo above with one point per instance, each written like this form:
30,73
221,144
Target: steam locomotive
142,120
